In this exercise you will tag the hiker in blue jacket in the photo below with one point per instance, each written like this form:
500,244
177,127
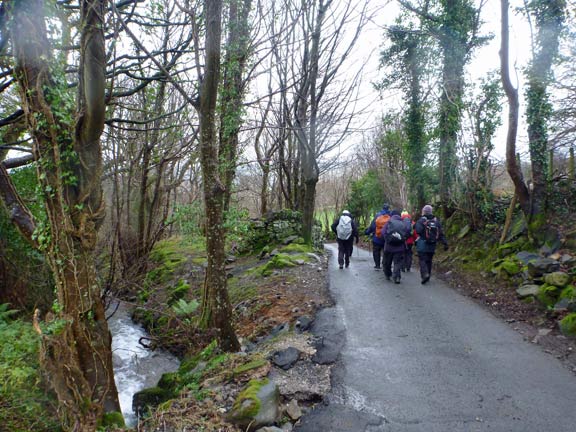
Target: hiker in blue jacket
395,234
346,231
430,233
375,230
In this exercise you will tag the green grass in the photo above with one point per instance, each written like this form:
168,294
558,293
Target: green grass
23,405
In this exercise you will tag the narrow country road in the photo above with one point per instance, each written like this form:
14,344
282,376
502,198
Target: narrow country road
423,358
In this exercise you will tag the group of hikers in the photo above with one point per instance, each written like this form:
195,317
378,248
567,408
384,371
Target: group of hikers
394,234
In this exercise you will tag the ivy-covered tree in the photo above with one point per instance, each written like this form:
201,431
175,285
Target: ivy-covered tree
549,17
407,66
76,344
455,25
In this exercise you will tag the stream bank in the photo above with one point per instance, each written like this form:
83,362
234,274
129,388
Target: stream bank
135,367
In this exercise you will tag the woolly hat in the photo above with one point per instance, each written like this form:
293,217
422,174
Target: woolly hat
346,212
405,215
395,213
386,206
427,209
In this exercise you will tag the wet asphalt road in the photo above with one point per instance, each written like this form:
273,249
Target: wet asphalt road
422,358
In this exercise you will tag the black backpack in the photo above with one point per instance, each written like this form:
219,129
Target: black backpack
431,230
396,233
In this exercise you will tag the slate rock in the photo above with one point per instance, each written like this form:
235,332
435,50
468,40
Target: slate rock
303,324
289,239
286,358
293,410
527,290
526,257
540,266
562,305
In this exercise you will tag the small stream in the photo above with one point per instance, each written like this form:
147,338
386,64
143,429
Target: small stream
135,367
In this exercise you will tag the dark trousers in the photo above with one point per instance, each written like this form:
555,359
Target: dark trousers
345,248
377,254
408,257
425,259
396,258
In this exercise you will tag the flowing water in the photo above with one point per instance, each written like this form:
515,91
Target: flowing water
135,367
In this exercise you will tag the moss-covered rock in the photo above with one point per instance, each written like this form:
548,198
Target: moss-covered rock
297,248
148,398
113,419
528,291
568,325
510,267
568,292
278,261
256,406
548,295
558,279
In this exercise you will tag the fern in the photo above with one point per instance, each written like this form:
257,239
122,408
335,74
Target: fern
183,308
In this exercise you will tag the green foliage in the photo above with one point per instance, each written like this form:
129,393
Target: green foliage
178,291
24,405
188,219
168,256
184,308
366,197
6,313
26,264
236,223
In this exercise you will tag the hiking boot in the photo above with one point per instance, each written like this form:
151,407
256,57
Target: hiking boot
341,267
347,265
377,267
425,279
388,278
397,280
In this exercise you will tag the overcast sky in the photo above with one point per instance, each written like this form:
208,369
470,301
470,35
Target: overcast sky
485,59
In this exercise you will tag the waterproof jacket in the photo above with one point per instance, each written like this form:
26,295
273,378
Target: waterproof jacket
395,223
371,230
354,235
422,246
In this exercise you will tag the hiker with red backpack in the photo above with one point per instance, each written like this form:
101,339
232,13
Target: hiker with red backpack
395,233
346,231
407,219
375,230
430,233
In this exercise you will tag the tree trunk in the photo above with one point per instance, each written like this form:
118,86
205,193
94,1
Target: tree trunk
512,163
549,18
454,50
76,347
216,309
